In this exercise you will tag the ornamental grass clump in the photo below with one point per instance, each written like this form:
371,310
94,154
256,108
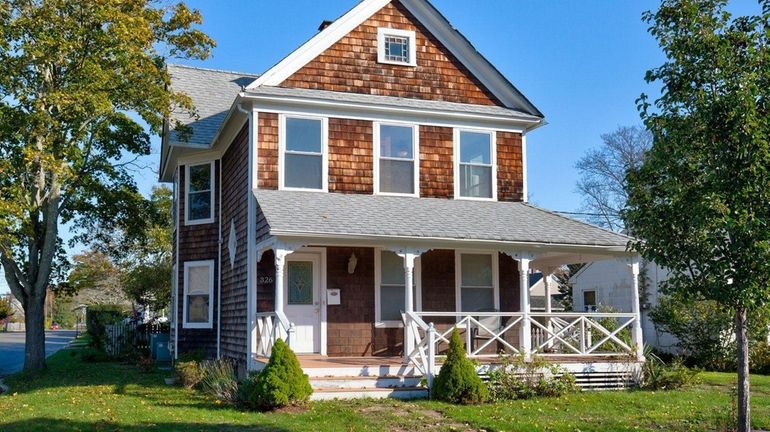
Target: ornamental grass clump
282,382
218,380
458,382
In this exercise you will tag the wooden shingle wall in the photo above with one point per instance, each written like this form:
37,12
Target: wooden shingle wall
436,166
197,243
510,177
350,156
350,65
235,195
267,150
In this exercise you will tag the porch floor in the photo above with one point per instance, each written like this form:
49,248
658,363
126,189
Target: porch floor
321,361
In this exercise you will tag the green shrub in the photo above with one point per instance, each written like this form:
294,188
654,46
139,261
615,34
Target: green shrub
657,375
282,382
190,373
98,317
458,382
218,380
516,378
760,359
197,355
93,355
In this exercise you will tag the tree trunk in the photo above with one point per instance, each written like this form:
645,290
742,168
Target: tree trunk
34,321
742,336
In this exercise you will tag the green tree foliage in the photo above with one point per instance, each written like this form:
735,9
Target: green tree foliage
458,382
6,310
282,382
701,200
94,279
75,78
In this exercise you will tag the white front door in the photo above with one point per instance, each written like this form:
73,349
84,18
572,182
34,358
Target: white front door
303,300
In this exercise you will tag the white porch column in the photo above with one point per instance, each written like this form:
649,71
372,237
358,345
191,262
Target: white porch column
547,272
525,333
636,330
280,272
409,258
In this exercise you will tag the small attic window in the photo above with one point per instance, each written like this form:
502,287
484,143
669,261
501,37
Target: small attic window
396,46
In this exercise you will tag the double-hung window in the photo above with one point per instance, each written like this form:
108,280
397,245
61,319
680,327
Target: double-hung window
199,181
396,163
390,295
477,282
474,166
303,153
198,294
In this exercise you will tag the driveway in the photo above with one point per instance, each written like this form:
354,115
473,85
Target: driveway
12,348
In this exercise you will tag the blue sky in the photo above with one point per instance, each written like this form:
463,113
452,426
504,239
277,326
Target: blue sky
581,62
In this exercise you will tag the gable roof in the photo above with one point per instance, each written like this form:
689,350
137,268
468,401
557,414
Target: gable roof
212,92
428,16
353,215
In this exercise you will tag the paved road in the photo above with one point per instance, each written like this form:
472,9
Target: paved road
12,348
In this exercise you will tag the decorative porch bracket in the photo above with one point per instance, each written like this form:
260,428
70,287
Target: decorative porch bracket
409,255
524,258
633,264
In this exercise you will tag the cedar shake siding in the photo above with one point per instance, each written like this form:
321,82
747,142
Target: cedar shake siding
235,196
197,243
510,173
350,325
350,65
266,282
267,150
351,168
436,156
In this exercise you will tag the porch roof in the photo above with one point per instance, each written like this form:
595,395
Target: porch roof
295,213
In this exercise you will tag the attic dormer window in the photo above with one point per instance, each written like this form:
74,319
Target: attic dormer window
396,46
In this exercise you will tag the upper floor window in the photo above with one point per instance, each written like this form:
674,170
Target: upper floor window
396,46
474,164
198,294
589,301
396,167
303,153
199,181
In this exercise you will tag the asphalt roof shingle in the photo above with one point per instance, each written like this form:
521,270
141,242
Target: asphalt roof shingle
295,212
212,92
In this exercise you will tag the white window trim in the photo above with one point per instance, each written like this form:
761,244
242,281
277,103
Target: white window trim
210,219
493,155
415,154
459,277
383,32
324,152
187,266
378,322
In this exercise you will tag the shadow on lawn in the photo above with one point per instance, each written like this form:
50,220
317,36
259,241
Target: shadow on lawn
56,425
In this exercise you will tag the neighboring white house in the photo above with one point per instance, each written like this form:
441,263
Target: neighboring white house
537,292
608,283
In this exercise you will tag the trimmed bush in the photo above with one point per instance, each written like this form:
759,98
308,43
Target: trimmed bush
458,381
282,382
190,373
517,378
218,380
657,375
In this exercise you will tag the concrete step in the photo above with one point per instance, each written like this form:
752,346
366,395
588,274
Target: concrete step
371,393
363,382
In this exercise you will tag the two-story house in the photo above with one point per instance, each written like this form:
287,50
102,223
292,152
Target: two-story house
360,198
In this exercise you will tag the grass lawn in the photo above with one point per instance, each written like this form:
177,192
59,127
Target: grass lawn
72,395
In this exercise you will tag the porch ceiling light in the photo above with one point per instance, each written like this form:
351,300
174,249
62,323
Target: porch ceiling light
352,263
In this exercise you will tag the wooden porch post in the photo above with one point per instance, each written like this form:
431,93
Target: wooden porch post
636,330
525,334
408,300
547,272
280,291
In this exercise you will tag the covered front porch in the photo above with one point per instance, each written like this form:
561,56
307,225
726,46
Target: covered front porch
339,299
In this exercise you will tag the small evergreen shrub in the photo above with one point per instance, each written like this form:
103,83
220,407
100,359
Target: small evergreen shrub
458,382
516,378
218,380
190,373
282,382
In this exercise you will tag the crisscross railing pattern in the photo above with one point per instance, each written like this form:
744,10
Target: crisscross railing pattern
582,334
270,327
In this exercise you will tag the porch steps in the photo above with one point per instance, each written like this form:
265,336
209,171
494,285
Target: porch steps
374,387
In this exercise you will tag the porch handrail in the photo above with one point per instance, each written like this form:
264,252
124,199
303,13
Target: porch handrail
270,327
570,331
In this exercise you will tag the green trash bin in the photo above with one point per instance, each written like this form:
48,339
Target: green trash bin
159,347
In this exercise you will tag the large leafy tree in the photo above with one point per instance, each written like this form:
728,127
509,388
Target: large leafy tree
75,78
701,200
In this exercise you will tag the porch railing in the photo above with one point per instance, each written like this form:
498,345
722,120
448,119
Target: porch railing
270,327
487,334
